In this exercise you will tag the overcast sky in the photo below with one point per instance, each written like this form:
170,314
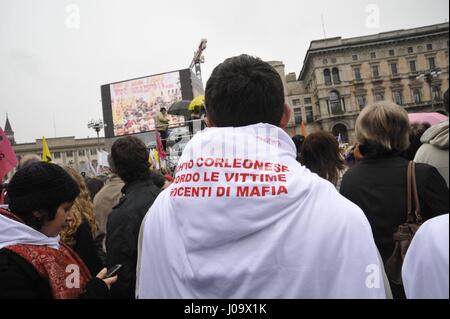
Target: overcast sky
55,54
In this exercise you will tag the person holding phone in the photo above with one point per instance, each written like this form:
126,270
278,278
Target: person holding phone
34,263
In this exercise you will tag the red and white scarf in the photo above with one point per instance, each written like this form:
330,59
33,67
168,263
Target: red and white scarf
64,270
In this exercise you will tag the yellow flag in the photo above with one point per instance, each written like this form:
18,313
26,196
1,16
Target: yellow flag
156,156
46,155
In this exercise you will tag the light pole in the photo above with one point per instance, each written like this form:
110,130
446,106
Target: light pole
428,77
97,126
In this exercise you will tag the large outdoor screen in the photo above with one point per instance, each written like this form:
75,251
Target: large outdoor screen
130,107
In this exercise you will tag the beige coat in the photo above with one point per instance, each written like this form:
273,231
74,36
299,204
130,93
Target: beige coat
105,200
161,122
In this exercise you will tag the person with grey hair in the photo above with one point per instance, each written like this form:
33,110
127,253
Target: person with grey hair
378,183
28,159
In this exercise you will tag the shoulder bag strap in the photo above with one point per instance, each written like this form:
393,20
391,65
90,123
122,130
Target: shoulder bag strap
418,214
409,212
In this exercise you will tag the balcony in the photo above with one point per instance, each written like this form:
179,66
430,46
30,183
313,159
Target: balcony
377,79
357,81
413,75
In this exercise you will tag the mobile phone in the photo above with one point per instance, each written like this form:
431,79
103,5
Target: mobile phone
113,271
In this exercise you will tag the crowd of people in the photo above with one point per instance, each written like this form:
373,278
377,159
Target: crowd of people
140,116
323,228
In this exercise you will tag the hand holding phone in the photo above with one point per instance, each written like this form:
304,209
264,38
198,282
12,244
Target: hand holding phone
113,271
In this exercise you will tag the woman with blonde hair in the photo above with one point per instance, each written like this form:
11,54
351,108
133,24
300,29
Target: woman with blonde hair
378,183
80,232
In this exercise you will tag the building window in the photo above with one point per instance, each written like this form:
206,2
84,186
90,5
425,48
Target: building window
431,62
373,55
361,100
296,102
410,50
357,74
355,57
398,97
429,46
57,155
412,66
335,103
436,93
307,101
93,151
375,71
379,96
69,154
81,153
309,114
417,96
394,70
327,76
391,53
298,115
336,78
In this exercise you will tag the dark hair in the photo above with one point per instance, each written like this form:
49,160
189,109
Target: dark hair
298,141
320,154
415,134
46,214
242,91
130,157
40,187
157,178
94,185
112,168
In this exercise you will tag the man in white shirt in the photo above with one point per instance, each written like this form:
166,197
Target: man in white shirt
425,269
243,219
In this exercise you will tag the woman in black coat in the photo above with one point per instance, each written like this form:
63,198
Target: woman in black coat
34,263
378,183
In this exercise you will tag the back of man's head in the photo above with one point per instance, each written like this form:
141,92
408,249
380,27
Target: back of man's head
242,91
130,158
112,167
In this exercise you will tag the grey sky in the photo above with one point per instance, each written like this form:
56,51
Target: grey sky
50,69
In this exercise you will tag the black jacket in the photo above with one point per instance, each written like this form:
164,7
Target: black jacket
20,280
378,187
122,231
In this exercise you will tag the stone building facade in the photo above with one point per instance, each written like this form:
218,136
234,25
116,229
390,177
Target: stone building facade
341,76
66,151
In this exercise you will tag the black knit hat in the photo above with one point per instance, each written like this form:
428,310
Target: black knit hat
40,185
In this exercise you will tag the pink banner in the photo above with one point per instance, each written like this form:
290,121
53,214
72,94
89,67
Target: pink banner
8,159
